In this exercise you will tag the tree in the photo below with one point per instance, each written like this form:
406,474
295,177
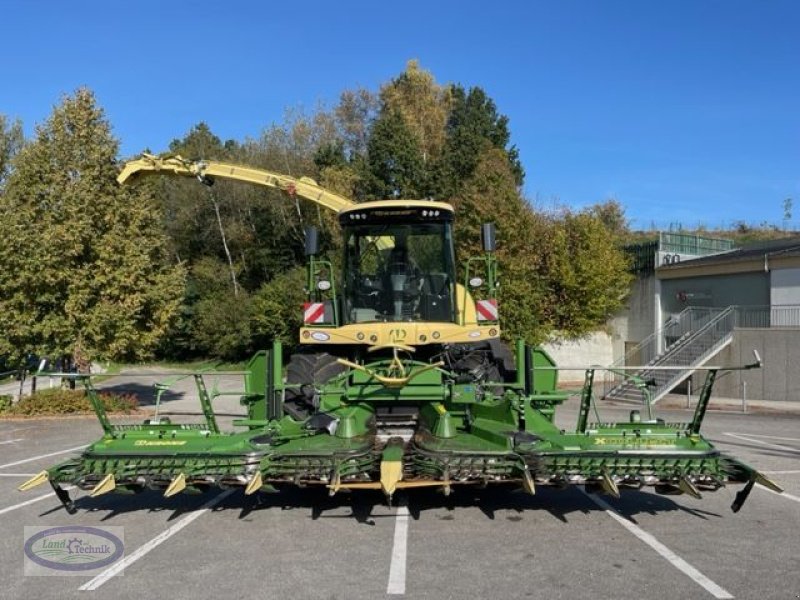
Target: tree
424,106
201,143
612,214
473,126
491,195
586,271
277,309
84,262
394,159
353,116
561,273
11,141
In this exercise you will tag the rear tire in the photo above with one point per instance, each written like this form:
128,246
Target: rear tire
304,374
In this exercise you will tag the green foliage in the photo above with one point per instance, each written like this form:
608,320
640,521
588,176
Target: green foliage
490,195
353,117
394,159
276,309
586,272
59,401
11,142
85,265
424,106
473,127
6,402
612,214
559,273
221,325
201,142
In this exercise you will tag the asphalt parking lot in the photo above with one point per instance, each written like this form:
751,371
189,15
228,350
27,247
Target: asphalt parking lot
474,544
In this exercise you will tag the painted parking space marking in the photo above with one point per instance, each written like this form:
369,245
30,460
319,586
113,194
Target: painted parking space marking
675,560
779,494
8,509
162,537
772,437
748,438
33,458
397,570
793,472
14,441
17,474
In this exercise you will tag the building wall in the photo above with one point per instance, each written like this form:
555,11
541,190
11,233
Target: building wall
637,320
784,287
779,377
744,289
594,349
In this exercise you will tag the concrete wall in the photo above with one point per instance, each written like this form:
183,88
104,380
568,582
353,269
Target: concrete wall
637,320
595,349
778,379
784,286
744,289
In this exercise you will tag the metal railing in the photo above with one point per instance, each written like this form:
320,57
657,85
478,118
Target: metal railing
688,243
692,337
675,328
761,317
693,352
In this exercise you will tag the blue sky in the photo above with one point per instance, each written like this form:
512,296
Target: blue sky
685,111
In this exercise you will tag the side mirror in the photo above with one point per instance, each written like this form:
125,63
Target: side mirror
487,237
312,241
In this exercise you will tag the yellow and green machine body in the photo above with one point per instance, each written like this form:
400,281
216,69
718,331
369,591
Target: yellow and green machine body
400,380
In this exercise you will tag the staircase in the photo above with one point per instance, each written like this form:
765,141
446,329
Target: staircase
691,338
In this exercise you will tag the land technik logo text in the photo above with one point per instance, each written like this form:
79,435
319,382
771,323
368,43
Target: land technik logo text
71,550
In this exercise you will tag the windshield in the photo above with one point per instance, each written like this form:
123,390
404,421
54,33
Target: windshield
399,273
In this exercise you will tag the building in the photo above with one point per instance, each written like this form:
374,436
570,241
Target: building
698,299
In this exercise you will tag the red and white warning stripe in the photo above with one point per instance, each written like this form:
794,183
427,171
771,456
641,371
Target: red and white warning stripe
313,312
487,310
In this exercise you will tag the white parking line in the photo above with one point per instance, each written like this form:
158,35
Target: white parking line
772,437
793,472
152,544
397,570
675,560
17,474
745,438
8,509
31,459
779,494
11,441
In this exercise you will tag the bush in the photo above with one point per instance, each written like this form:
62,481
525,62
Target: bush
6,402
67,402
277,312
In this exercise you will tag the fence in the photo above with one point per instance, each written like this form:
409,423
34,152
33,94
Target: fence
686,243
760,317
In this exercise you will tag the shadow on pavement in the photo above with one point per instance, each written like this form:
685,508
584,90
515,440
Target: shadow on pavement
558,503
144,392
